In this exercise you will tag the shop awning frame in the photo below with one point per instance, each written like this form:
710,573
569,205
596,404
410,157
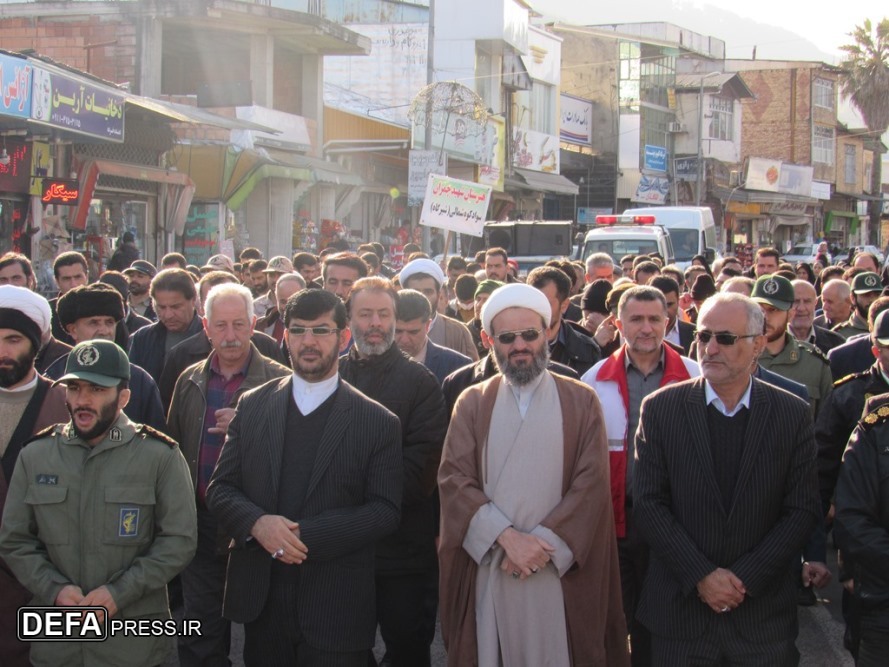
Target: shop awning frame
540,181
851,216
176,189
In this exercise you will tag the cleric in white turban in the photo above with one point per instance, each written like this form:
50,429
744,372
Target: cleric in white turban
515,295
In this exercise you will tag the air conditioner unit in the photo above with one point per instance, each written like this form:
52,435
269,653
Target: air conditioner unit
734,179
675,128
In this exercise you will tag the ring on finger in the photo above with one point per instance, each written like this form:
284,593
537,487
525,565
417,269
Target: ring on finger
535,570
279,553
724,609
515,574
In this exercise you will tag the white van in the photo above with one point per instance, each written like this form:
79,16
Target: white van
691,228
620,235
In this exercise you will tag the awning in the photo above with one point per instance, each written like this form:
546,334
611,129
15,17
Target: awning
239,195
322,170
831,217
175,188
542,182
792,220
194,115
760,196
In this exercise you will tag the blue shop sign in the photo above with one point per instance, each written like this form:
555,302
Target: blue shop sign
655,158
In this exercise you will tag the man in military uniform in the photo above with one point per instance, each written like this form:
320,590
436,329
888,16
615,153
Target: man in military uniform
100,512
862,526
866,288
784,354
843,408
806,364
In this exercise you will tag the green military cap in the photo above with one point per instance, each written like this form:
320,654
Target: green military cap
99,362
487,286
775,291
866,282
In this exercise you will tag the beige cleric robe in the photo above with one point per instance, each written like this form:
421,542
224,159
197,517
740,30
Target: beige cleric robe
582,519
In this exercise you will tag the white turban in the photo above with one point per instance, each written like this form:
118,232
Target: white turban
421,265
515,295
28,303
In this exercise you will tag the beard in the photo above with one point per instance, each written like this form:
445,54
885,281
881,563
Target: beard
14,370
314,371
138,290
522,373
104,419
862,312
373,349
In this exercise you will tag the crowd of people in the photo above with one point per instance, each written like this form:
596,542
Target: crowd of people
608,462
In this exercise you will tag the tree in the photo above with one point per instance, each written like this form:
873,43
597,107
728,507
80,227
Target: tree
865,82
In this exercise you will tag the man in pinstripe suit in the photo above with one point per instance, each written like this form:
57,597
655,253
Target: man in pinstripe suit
308,481
726,495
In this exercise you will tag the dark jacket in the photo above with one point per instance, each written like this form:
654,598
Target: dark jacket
574,347
782,382
686,336
679,510
837,419
49,353
443,361
853,356
145,401
135,321
862,504
481,370
148,343
197,348
58,332
411,391
825,339
126,254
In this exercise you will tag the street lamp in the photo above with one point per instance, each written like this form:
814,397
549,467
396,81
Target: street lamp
700,165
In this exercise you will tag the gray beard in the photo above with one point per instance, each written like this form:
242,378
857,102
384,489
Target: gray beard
371,350
522,375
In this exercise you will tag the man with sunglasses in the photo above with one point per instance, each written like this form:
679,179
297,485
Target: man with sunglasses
725,493
641,365
203,404
308,481
528,577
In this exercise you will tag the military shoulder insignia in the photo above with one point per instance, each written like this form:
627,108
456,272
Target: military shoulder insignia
877,416
45,433
148,432
816,352
115,435
846,379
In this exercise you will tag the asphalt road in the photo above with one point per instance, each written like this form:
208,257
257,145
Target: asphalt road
820,640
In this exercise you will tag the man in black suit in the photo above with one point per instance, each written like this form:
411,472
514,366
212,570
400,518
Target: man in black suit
305,509
726,495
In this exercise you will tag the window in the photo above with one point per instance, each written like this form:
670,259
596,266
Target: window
823,145
823,93
722,119
849,165
543,108
630,63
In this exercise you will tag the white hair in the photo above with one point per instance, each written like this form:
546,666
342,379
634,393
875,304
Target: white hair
755,319
844,289
228,289
292,278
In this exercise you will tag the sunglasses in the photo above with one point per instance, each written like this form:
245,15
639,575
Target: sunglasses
528,335
721,338
316,331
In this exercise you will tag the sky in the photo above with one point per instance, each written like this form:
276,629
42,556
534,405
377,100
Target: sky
823,28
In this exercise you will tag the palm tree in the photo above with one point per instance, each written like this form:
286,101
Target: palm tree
865,81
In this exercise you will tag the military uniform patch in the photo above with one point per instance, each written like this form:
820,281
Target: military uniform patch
49,480
128,526
146,431
115,435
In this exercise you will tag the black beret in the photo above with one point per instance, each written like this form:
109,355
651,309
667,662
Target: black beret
595,295
90,301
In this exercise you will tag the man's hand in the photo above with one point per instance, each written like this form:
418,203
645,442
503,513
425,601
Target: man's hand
223,419
816,574
721,590
526,553
69,596
100,597
606,331
279,534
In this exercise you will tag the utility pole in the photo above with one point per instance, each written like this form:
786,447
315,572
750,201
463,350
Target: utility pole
700,164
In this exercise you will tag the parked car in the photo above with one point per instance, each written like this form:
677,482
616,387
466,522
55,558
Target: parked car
803,252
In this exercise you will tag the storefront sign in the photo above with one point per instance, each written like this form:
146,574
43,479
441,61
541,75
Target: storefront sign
685,168
652,190
76,106
776,176
15,87
16,176
655,158
455,205
744,209
535,151
577,120
201,234
60,191
420,165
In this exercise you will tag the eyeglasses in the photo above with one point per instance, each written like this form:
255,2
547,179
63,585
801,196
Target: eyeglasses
721,338
528,335
317,332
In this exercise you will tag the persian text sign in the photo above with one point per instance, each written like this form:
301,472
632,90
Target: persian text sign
577,120
76,106
15,87
655,158
420,165
455,205
652,190
61,191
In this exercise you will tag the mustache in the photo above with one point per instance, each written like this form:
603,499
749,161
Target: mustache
230,343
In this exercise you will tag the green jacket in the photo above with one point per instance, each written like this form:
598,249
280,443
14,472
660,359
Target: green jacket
854,326
803,363
120,514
